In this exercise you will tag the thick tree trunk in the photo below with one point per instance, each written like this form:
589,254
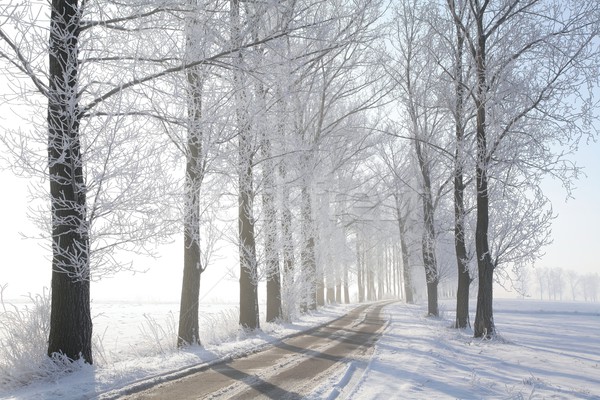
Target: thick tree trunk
428,240
320,291
464,277
249,313
432,298
287,241
484,316
70,316
271,252
462,299
484,319
331,295
188,332
371,294
192,268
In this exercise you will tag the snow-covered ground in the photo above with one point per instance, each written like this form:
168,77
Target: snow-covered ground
544,350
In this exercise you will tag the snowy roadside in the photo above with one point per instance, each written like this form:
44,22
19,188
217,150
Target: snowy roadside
110,380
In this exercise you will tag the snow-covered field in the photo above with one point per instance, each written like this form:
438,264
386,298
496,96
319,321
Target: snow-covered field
544,350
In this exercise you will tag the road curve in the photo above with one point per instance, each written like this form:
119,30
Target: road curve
290,369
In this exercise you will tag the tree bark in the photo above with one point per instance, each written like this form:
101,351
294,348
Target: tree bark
249,313
320,291
484,320
70,316
188,332
346,287
271,253
287,240
428,240
309,266
359,271
331,294
408,290
464,277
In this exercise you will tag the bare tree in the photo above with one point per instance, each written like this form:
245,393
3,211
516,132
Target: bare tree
452,47
195,169
249,315
574,283
417,77
529,58
397,161
102,199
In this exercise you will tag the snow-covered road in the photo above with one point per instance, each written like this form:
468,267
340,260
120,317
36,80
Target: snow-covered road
289,369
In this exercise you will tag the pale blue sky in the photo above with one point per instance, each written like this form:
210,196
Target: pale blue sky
576,231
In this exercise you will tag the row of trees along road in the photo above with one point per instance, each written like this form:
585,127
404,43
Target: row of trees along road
378,137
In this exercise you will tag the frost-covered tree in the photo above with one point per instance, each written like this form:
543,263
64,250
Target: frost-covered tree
399,179
533,62
451,54
417,78
200,28
105,195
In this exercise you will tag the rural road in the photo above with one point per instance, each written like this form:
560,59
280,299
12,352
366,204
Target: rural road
289,369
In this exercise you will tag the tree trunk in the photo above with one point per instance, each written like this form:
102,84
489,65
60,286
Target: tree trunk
484,317
190,291
462,300
370,282
346,287
359,271
287,241
70,315
428,240
405,257
464,277
271,253
249,314
320,291
192,264
484,320
309,266
331,295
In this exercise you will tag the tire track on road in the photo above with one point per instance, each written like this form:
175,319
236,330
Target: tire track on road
289,369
